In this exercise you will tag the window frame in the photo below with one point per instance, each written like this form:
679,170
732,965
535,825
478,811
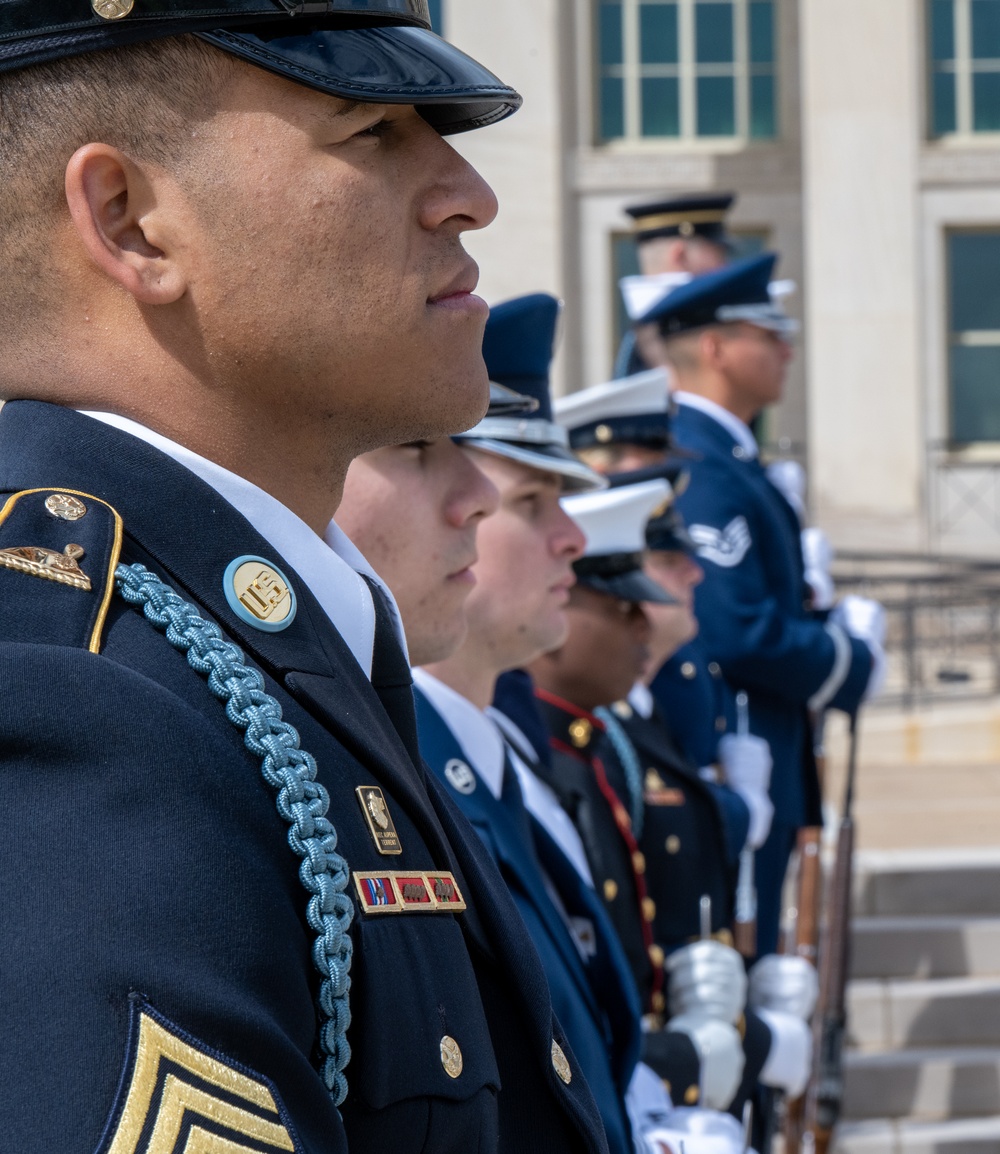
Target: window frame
963,68
687,71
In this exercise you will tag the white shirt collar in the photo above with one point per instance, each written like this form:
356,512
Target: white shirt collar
479,738
641,700
736,428
330,565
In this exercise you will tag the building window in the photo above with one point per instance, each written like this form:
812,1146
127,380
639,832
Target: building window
437,16
964,63
685,68
974,336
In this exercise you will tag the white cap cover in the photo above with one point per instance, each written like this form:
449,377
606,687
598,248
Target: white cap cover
614,520
635,396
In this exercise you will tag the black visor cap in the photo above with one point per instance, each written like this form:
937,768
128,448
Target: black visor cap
391,64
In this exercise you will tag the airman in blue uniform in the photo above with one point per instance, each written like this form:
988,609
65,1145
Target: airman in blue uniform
238,916
727,344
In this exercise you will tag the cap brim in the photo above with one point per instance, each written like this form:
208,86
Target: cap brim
394,64
632,586
576,476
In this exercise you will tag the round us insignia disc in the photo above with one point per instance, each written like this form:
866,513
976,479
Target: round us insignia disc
259,594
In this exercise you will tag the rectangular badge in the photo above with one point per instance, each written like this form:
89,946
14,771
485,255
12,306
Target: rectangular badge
664,796
446,892
377,893
380,823
402,891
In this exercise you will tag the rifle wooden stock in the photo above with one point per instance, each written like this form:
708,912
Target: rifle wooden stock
805,945
827,1090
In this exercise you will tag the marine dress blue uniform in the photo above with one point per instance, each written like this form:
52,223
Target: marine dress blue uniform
160,964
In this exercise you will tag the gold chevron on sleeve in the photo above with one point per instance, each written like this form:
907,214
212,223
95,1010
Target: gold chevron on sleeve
183,1100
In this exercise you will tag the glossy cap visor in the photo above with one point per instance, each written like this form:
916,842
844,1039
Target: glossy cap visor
384,65
620,575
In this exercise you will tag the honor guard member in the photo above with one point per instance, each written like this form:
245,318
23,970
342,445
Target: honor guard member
237,914
727,344
602,656
618,428
676,238
692,817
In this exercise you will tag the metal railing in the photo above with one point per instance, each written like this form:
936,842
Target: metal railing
943,616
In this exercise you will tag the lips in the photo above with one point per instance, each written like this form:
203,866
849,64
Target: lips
463,284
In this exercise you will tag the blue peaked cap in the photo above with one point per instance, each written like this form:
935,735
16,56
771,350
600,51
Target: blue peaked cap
518,344
517,347
736,292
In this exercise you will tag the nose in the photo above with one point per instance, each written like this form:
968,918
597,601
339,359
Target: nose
457,195
568,540
472,495
693,572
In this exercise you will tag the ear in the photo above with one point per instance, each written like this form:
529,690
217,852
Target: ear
115,210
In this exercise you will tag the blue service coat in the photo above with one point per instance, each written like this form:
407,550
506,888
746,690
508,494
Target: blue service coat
146,880
596,1003
755,622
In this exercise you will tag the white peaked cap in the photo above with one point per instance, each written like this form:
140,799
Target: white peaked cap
614,520
640,293
647,392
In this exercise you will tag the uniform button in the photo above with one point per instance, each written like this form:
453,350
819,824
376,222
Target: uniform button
720,725
622,709
580,731
451,1057
691,1095
656,955
713,668
560,1063
658,1003
673,843
688,671
610,890
639,862
648,909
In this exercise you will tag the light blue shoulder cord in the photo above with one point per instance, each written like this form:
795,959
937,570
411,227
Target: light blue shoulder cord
302,801
630,764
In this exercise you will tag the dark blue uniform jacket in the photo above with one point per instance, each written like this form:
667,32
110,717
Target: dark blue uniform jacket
755,622
147,876
596,1002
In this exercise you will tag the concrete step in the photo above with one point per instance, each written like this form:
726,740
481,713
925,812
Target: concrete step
961,1136
922,1084
886,1015
925,947
934,883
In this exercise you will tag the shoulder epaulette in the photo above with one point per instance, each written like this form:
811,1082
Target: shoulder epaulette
58,552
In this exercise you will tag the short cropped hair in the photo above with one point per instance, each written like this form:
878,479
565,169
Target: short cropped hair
144,99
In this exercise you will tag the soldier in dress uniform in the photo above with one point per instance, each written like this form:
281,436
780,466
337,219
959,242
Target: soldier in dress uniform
237,914
599,780
618,428
727,343
676,238
415,510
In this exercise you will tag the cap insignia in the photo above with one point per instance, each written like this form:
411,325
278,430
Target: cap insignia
112,9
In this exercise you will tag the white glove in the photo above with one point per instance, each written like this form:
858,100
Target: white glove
747,763
785,984
789,478
720,1053
696,1131
865,619
789,1060
707,978
817,553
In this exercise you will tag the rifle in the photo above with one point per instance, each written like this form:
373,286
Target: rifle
826,1090
745,919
